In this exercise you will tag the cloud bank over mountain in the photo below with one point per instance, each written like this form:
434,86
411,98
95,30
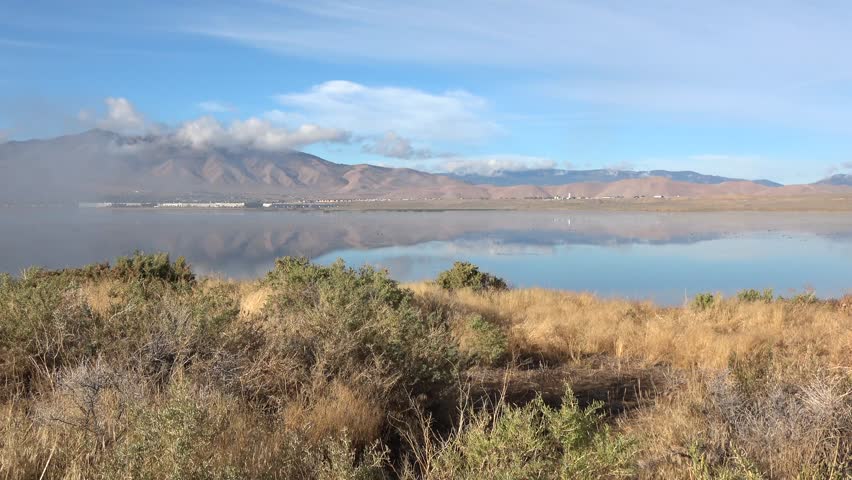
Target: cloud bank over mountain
256,133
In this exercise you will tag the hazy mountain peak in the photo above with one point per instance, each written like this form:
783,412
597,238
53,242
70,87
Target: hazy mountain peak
842,179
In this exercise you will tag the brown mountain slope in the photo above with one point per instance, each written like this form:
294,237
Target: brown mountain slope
99,164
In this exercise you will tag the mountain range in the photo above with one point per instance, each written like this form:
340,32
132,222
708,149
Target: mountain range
840,179
556,176
103,165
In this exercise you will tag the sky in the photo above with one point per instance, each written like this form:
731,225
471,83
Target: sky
748,88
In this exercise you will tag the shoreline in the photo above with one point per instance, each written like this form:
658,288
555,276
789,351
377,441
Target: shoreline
793,204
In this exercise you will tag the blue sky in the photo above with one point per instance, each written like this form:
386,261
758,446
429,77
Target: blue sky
738,88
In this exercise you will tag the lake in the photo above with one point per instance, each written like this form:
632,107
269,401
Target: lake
662,257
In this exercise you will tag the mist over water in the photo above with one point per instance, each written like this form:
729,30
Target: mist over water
664,257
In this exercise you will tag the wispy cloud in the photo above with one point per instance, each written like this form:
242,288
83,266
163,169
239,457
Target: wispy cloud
721,38
763,60
215,106
10,42
449,116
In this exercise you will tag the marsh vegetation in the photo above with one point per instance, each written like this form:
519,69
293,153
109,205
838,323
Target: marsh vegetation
142,370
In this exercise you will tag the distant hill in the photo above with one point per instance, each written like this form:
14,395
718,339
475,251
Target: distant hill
101,165
554,176
840,179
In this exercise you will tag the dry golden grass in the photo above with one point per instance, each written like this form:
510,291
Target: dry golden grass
339,410
102,296
565,326
704,423
253,298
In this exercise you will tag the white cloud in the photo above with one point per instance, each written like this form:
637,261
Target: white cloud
394,146
261,133
449,116
122,117
202,132
215,106
493,165
254,132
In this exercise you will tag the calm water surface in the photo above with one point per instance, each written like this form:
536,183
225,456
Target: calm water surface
663,257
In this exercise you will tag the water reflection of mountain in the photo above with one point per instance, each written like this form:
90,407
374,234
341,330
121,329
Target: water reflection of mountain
245,243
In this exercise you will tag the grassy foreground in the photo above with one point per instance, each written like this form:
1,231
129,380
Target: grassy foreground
140,370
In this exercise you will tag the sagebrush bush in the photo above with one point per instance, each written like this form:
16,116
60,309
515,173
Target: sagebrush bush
805,298
752,295
530,441
483,342
139,266
359,324
468,275
45,324
704,301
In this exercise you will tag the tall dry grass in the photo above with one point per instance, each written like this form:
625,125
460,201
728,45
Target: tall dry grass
758,389
564,327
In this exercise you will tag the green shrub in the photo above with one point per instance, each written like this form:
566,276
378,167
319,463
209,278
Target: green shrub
301,281
173,440
483,342
531,441
805,298
751,295
704,301
468,275
153,266
184,328
45,324
358,324
139,266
